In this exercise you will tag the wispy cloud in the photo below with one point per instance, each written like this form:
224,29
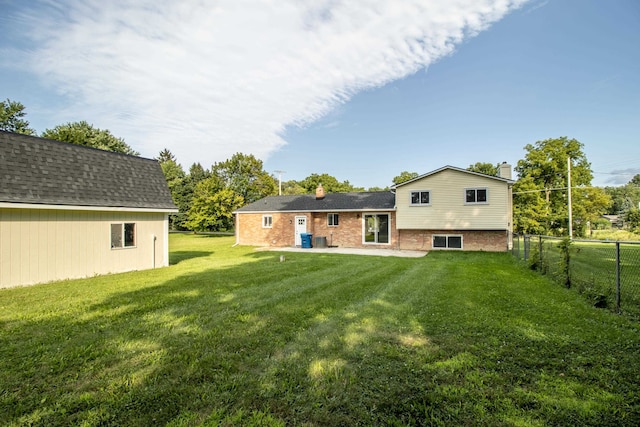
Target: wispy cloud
622,176
208,79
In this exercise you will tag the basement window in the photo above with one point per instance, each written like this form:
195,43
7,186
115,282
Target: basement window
123,235
447,241
267,221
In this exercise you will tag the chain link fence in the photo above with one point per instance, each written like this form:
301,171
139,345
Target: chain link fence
607,273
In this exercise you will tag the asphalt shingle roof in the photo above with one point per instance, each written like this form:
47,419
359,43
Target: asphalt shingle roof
41,171
377,200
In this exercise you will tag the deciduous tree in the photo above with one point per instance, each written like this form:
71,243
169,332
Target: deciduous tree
329,183
83,133
485,168
404,177
244,175
212,206
543,182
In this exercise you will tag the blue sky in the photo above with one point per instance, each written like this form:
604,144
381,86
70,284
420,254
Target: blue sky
361,90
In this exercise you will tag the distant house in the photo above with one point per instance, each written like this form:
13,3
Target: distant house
69,211
448,208
614,220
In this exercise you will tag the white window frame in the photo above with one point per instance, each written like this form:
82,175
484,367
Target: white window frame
333,220
267,221
376,232
447,247
475,190
123,242
411,193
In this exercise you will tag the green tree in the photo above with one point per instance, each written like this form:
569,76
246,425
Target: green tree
404,177
632,219
292,187
212,206
11,118
624,197
485,168
329,183
176,181
244,175
529,207
83,133
543,172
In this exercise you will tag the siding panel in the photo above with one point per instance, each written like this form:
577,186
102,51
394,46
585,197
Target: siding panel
38,246
448,210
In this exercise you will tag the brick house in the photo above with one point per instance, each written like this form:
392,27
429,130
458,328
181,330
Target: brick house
69,211
448,208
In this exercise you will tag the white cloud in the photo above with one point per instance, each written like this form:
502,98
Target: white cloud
208,79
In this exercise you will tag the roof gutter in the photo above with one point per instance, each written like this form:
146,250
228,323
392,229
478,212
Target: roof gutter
9,205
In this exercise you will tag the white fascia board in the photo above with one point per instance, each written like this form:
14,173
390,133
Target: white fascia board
8,205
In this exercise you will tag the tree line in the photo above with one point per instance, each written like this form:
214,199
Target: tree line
206,198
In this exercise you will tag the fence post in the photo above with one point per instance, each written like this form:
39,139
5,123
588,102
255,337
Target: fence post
527,240
540,267
618,276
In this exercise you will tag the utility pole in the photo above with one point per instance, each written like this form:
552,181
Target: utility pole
569,197
279,181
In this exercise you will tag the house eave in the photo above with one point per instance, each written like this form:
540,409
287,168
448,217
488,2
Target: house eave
13,205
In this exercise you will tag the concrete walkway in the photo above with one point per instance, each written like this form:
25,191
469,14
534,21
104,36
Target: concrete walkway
349,251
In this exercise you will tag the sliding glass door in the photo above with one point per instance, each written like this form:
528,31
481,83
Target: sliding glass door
376,228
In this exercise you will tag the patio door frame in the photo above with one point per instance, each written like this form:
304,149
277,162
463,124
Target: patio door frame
376,229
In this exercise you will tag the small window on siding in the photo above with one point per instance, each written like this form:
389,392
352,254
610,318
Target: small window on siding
447,242
123,235
267,221
476,195
332,220
420,197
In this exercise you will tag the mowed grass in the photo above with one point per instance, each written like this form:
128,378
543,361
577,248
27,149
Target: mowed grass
231,336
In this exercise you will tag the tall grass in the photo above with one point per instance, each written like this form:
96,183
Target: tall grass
230,336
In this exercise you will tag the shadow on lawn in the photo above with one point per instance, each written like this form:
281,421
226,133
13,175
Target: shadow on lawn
266,341
179,256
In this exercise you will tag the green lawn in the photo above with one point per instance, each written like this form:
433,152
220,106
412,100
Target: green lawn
230,336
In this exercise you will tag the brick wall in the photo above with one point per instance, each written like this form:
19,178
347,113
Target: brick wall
472,240
348,233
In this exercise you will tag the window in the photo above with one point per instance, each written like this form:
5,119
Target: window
332,220
267,221
447,242
123,235
476,195
420,197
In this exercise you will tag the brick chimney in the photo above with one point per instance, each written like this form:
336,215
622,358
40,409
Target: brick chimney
504,171
319,192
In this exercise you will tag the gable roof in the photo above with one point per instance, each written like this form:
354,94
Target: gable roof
332,202
508,181
40,171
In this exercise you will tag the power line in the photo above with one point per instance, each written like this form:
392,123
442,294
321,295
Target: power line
552,189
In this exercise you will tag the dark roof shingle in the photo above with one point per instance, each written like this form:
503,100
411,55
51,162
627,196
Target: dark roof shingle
41,171
377,200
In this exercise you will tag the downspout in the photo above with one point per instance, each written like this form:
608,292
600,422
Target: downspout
153,251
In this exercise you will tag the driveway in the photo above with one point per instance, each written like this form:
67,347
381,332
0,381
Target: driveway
349,251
